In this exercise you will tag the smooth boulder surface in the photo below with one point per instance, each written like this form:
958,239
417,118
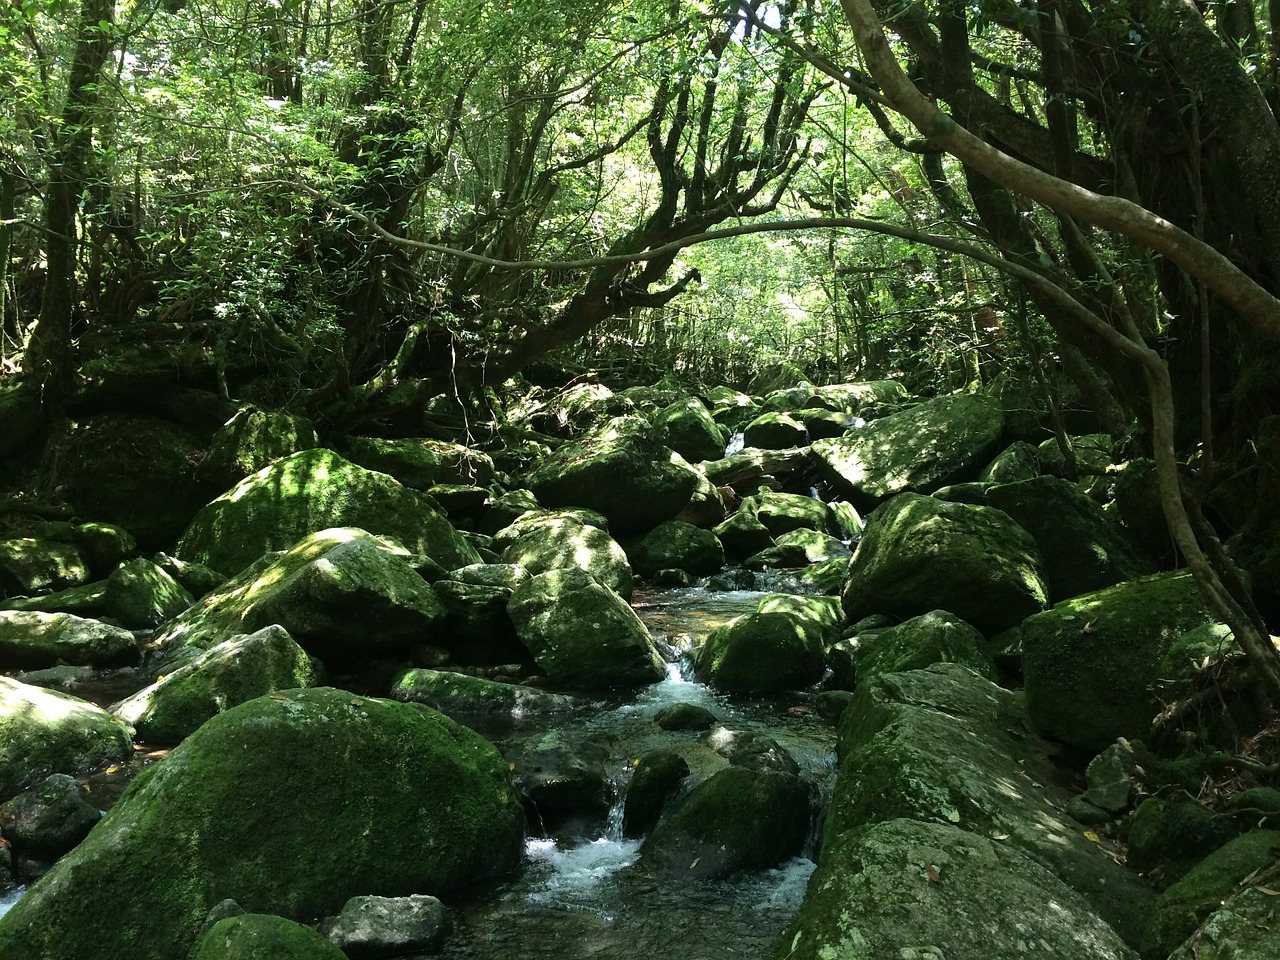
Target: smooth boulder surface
341,594
944,746
1090,664
929,891
736,819
314,490
289,804
778,647
1083,548
934,637
775,431
919,449
688,429
677,545
558,541
784,512
43,732
379,928
234,671
31,640
919,554
142,595
621,472
583,634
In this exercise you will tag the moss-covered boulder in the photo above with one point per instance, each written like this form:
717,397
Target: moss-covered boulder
778,647
290,804
30,565
904,888
232,672
775,431
315,490
458,694
853,397
736,819
31,640
1190,901
142,595
582,634
49,819
1014,463
421,463
1092,454
623,473
251,440
783,512
263,936
934,637
919,554
742,534
688,429
813,545
341,594
1090,664
43,732
560,541
942,745
477,629
1083,548
676,545
919,449
1243,928
655,777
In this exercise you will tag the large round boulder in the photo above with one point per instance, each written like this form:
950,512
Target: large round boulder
919,554
558,541
582,634
1091,663
677,545
919,449
314,490
778,647
688,429
289,804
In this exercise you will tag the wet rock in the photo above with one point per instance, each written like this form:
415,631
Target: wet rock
815,546
944,746
310,491
935,637
905,888
919,554
731,580
671,577
677,545
918,449
49,819
1194,898
561,779
736,819
232,672
30,566
1083,549
1091,663
293,803
656,777
541,544
141,594
31,640
629,477
754,751
684,716
251,440
342,594
256,936
831,704
458,694
582,634
374,928
42,732
422,463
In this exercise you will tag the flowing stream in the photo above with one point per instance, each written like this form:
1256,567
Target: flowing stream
585,893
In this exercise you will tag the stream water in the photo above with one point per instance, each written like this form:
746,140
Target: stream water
585,894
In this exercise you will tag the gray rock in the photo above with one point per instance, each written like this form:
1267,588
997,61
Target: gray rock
583,634
31,640
373,928
930,891
684,716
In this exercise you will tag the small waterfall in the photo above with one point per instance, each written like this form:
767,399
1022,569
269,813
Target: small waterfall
8,899
735,444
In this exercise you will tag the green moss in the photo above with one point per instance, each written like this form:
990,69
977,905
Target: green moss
289,804
258,936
